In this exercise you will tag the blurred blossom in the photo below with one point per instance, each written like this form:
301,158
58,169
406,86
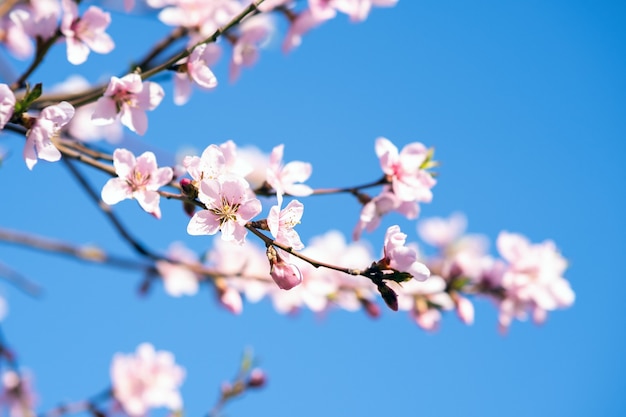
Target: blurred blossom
178,279
146,379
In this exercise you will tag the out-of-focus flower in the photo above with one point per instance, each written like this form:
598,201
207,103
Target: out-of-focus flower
7,104
179,279
147,379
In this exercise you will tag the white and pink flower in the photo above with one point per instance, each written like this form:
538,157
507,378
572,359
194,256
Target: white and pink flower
138,178
145,380
85,33
403,258
7,104
408,180
45,128
128,98
229,203
285,178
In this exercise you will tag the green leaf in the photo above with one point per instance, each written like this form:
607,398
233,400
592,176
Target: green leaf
29,97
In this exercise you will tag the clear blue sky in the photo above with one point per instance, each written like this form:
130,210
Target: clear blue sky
524,103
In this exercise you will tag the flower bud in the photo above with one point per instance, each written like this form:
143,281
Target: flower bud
257,378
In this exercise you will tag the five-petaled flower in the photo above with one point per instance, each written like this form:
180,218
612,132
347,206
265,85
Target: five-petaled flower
404,170
45,128
147,379
138,178
403,258
128,98
229,203
85,33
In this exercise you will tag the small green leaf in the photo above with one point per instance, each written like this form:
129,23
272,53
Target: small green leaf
30,96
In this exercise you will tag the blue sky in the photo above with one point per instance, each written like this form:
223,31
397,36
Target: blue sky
524,103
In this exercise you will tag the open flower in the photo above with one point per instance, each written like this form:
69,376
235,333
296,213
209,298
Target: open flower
229,203
146,379
195,70
282,222
138,178
403,258
283,178
85,33
408,181
128,98
46,127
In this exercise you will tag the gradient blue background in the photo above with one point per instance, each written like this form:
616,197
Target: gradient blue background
524,103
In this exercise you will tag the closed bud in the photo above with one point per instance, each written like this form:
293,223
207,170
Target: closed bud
257,378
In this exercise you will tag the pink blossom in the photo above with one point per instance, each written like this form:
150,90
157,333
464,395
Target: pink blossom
231,300
403,258
284,178
85,33
13,34
253,32
464,309
17,393
229,204
424,300
286,275
373,211
441,232
43,16
305,21
215,161
282,222
195,70
177,278
358,10
269,5
128,98
139,179
7,104
81,127
147,379
409,182
45,128
532,277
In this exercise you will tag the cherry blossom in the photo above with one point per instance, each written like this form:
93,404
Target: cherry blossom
532,278
409,182
229,204
81,126
424,300
284,178
358,10
403,258
253,32
138,178
305,21
45,128
13,34
195,70
177,278
17,393
147,379
285,274
215,161
373,211
128,98
43,16
282,222
7,104
85,33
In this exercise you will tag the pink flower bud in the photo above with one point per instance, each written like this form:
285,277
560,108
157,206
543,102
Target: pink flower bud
257,378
